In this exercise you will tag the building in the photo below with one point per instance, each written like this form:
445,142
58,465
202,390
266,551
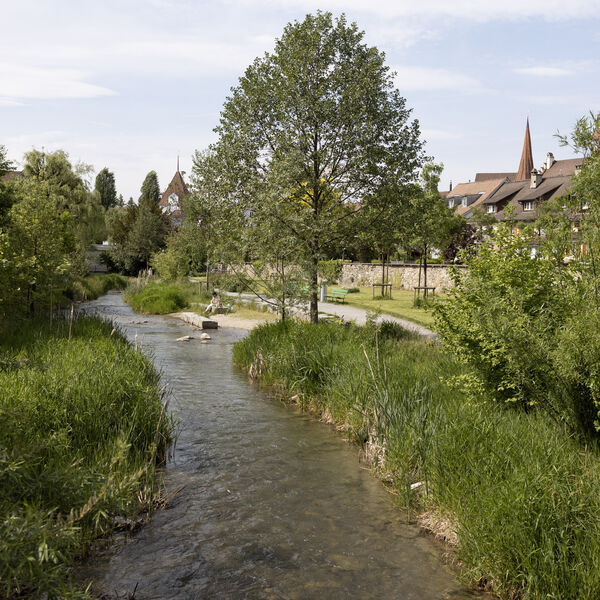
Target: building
171,200
520,198
466,197
516,196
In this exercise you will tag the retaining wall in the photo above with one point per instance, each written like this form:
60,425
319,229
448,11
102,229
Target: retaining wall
404,275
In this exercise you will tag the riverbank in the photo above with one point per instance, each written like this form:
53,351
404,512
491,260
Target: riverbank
82,428
519,494
269,503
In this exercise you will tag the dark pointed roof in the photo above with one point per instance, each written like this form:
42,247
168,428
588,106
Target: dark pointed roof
526,164
177,187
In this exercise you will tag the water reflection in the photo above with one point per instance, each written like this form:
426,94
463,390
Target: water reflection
272,505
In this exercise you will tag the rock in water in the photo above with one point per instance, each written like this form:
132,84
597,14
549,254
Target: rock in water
204,336
185,338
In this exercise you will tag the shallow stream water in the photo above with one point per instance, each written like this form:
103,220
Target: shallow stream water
272,505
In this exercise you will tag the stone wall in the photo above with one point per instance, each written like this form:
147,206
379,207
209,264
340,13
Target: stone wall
403,275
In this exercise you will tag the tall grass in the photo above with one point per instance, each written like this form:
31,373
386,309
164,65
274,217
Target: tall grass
160,298
82,427
518,491
94,286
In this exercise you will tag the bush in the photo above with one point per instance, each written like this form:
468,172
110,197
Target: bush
330,271
506,318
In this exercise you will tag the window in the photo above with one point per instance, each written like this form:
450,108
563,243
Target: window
491,208
464,202
173,202
528,205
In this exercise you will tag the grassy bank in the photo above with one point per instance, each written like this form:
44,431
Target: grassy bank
94,286
81,430
518,492
400,305
161,298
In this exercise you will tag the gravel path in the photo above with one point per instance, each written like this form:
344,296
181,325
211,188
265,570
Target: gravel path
351,313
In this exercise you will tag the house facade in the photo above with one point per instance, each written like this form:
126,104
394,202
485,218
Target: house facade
517,196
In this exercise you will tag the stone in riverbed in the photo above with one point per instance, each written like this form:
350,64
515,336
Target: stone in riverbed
205,336
185,338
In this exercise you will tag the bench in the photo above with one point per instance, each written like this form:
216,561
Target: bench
337,295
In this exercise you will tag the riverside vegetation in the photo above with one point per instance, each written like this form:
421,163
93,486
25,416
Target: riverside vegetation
82,428
516,487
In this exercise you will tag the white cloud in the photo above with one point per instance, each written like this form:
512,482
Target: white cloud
432,79
474,10
10,102
540,71
20,81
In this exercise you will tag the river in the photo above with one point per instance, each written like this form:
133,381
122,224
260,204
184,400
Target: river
273,504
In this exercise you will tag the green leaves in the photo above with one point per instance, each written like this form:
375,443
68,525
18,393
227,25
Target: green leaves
309,131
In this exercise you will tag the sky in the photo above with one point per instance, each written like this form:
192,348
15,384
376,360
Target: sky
132,84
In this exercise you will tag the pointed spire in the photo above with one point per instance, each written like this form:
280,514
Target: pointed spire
526,164
178,163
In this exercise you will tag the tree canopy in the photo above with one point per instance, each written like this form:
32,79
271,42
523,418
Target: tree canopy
150,190
310,128
105,186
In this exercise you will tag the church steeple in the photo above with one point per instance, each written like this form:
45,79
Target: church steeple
178,163
526,164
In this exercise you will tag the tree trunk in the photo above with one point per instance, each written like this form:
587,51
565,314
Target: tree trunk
283,315
207,274
314,297
425,272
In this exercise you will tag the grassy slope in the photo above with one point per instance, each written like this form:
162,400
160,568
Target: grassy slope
401,305
79,438
520,493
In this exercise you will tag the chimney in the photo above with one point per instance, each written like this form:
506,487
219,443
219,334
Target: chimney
450,186
536,178
549,160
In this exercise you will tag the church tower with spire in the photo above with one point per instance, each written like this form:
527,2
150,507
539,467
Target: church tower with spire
171,200
526,164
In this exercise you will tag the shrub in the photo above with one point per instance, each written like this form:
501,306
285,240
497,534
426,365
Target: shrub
330,271
156,298
506,316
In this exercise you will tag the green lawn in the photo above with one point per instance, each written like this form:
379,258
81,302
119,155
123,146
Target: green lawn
401,305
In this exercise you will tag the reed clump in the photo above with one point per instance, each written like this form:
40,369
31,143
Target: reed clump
520,491
82,429
159,298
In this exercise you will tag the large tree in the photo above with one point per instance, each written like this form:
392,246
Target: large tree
105,186
137,231
150,190
69,185
311,127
